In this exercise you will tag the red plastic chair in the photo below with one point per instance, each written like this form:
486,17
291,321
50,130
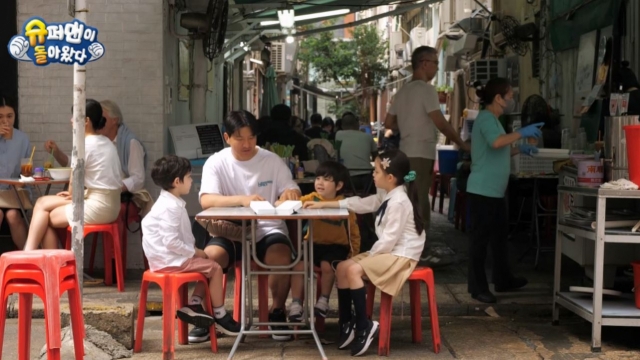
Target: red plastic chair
111,248
123,222
263,294
48,274
174,288
425,275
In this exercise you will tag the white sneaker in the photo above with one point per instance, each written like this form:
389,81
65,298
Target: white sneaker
321,308
295,312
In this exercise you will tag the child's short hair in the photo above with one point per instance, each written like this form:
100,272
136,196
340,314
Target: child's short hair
336,171
167,169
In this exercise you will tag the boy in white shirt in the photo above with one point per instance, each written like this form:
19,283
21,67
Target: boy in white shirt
236,176
169,244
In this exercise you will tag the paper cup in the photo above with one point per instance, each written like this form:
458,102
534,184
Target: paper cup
8,136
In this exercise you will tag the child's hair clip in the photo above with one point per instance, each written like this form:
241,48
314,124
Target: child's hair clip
386,162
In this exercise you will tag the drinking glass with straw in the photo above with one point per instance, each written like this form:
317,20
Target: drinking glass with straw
26,164
49,163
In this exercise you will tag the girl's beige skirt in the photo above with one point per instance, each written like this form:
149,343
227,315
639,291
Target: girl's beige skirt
101,206
386,271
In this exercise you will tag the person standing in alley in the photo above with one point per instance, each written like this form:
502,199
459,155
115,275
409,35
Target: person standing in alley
491,151
415,113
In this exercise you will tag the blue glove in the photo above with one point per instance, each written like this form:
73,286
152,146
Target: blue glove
532,130
527,149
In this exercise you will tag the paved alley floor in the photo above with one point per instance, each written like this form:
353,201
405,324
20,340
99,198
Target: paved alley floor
517,327
462,338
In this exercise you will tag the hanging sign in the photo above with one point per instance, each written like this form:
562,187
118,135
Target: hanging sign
67,43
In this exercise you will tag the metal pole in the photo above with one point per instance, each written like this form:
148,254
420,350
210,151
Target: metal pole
77,155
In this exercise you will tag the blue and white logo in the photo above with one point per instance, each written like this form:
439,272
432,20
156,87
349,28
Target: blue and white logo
64,43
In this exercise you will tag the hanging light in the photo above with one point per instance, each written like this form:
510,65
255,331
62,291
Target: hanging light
287,18
289,39
305,17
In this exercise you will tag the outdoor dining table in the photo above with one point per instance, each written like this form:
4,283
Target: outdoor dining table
304,253
16,183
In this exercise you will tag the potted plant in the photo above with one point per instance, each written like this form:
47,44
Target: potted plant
443,90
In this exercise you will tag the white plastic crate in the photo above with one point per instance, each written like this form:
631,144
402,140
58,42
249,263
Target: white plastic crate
538,164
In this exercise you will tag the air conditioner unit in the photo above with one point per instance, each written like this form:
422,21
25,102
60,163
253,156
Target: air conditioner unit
406,56
418,37
396,49
487,69
450,63
278,56
465,44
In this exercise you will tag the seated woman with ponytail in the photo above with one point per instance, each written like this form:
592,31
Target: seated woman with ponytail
392,258
102,184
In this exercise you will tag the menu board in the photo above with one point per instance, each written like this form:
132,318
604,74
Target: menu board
196,141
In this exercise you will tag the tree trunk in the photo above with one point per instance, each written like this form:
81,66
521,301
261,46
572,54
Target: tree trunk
77,155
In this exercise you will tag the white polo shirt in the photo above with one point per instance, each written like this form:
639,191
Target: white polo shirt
412,105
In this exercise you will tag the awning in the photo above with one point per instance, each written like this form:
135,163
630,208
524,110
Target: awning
316,91
570,19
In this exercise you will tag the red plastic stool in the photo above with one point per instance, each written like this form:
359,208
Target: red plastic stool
48,274
263,294
425,275
124,219
111,240
174,288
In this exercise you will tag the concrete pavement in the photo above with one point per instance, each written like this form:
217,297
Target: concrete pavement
462,338
522,329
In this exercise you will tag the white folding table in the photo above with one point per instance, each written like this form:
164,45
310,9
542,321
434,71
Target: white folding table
249,253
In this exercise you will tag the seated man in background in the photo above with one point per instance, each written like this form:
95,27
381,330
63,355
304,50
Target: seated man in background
280,132
356,150
316,131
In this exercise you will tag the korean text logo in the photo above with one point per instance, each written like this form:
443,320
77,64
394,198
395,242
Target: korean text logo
64,43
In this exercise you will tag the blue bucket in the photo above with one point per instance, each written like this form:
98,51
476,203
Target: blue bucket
447,161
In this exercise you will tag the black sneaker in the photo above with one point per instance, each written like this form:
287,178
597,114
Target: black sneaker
195,315
347,333
198,335
278,315
227,325
364,339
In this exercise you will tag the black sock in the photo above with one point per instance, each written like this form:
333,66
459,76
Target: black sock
344,306
359,297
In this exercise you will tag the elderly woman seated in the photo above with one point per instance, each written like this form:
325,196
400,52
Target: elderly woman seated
102,184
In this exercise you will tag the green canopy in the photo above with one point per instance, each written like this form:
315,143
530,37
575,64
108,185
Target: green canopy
269,93
570,19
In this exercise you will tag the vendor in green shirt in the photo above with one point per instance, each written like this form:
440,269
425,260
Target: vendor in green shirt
491,151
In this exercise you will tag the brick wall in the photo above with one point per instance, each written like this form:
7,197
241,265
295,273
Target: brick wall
130,73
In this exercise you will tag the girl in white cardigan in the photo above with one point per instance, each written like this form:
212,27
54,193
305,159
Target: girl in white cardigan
392,258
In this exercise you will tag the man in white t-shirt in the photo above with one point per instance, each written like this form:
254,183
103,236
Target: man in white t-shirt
415,112
236,176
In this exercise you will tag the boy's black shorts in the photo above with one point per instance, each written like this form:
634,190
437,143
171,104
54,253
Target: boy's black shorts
332,254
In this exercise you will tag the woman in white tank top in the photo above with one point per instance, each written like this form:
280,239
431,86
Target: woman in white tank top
102,184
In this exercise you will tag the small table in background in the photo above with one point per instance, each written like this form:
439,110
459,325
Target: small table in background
15,184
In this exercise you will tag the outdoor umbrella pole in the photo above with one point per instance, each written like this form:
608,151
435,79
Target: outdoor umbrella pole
77,155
